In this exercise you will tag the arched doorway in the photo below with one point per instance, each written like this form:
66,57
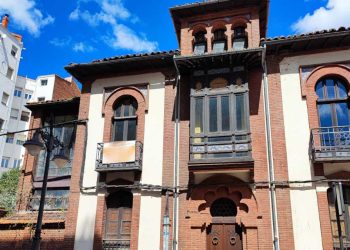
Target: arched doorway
224,233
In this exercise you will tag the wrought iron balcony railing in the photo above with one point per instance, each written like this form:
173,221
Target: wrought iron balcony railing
119,156
116,244
330,144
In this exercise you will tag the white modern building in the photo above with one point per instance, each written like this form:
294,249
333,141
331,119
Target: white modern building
43,88
10,54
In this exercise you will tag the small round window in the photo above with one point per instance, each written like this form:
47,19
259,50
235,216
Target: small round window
223,207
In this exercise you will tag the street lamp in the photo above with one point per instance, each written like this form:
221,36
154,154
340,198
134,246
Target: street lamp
45,140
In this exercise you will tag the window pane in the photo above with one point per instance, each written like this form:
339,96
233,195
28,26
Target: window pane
118,110
118,130
126,109
330,89
199,48
219,46
213,116
343,93
325,114
131,130
319,90
239,44
225,113
132,109
198,126
240,112
342,114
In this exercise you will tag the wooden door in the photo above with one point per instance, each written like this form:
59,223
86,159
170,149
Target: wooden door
223,236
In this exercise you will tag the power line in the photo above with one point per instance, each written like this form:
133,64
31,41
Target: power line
43,127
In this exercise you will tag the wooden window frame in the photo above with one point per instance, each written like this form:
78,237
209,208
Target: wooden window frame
331,101
125,119
232,91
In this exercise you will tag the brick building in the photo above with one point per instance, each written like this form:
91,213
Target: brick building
232,142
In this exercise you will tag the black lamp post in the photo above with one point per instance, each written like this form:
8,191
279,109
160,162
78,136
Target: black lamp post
44,140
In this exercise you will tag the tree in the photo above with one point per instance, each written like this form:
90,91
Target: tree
8,189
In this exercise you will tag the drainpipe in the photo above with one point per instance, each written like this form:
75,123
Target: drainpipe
166,223
272,186
176,159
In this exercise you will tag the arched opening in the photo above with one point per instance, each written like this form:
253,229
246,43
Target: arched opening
223,207
118,220
224,233
333,111
125,119
240,38
200,42
219,40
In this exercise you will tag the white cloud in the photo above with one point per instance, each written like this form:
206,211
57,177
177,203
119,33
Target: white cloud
334,15
25,15
82,47
60,42
125,38
112,12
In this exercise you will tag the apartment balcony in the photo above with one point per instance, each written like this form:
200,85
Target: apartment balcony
330,144
119,156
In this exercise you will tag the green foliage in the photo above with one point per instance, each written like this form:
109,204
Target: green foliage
8,189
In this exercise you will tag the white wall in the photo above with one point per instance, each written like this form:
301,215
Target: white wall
7,40
44,91
152,160
306,222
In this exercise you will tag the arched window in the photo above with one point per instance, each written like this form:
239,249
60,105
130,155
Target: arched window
118,220
223,207
125,120
239,40
200,43
332,103
220,40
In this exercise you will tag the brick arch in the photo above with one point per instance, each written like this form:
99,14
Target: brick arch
239,21
109,111
198,27
234,189
219,24
308,88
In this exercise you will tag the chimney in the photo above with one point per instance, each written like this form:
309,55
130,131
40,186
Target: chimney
5,21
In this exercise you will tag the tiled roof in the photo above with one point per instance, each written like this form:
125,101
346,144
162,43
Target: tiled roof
67,100
133,56
306,35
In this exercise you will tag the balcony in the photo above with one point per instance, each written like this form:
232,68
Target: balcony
213,150
330,144
119,156
116,244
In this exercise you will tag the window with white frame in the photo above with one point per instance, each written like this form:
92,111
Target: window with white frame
5,162
28,95
5,98
14,50
43,82
17,163
10,138
25,116
1,124
14,114
18,92
9,73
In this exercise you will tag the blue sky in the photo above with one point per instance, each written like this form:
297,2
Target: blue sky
57,32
